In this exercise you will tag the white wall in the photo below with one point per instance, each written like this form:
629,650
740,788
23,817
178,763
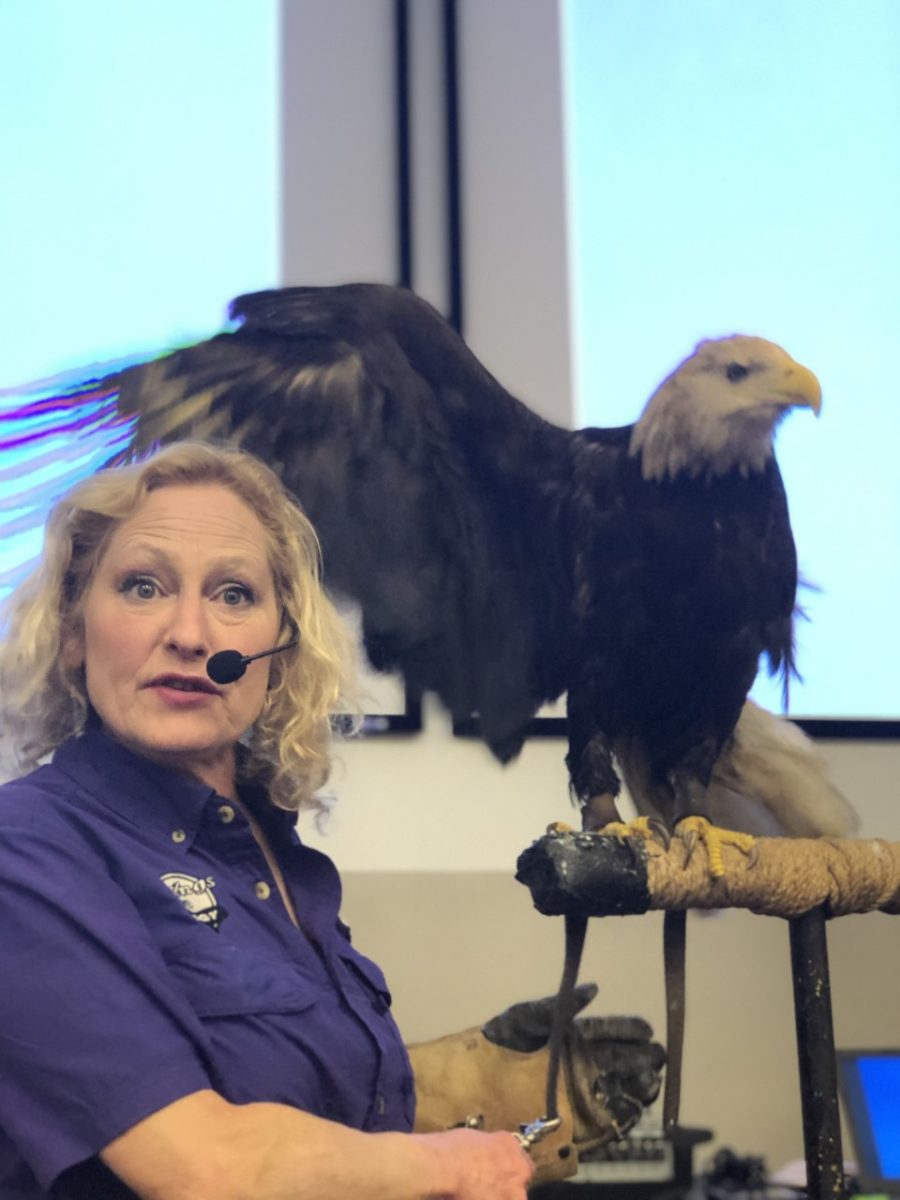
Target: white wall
337,182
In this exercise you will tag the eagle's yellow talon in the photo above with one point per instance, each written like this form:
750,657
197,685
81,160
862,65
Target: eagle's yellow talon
616,829
560,827
640,827
714,838
660,831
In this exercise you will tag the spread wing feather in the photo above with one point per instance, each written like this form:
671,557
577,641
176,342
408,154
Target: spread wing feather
432,489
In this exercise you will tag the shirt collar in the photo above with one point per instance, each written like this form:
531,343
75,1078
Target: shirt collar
151,796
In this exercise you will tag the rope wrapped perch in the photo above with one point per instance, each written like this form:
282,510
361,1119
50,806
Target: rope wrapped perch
596,875
804,880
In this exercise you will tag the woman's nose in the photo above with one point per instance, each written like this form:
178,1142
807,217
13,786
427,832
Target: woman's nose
188,633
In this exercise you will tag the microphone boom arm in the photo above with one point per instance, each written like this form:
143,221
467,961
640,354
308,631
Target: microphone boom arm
227,666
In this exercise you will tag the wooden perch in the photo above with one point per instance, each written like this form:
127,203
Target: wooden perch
595,875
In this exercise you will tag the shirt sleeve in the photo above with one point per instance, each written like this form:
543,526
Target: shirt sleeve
94,1033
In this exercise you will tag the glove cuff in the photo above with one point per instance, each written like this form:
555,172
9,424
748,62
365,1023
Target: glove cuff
464,1075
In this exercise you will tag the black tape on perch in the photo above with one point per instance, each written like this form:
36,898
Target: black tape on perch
585,875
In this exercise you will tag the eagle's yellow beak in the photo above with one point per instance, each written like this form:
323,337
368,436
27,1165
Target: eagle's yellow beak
802,388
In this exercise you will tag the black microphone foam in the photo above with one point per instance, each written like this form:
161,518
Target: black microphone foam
227,666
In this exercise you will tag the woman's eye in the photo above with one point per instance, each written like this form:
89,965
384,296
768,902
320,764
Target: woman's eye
140,586
235,594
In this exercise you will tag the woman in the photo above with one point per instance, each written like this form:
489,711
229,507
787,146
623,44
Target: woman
183,1014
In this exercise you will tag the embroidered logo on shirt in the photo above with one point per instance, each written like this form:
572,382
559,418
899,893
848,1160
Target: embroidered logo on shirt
198,897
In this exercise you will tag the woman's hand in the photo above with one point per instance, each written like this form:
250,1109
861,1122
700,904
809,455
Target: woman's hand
477,1166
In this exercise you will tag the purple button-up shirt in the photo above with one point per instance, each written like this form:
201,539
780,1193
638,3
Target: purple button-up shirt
145,953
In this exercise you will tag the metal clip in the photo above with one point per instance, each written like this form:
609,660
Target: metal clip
474,1122
535,1131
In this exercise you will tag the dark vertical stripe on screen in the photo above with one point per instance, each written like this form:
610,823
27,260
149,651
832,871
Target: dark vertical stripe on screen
454,188
404,156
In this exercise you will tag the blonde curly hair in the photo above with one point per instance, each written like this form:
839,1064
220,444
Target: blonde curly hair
44,701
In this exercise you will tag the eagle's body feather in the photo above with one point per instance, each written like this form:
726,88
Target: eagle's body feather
680,587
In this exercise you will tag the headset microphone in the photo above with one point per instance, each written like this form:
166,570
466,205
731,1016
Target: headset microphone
229,665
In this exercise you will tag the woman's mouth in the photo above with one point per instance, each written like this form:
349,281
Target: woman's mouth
183,689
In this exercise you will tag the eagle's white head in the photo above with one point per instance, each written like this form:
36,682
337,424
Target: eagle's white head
719,409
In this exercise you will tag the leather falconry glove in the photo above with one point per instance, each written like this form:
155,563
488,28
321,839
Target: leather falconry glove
611,1070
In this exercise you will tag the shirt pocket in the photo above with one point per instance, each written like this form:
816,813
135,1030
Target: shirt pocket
369,976
224,981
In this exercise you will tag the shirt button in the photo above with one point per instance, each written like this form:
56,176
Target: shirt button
226,814
380,1105
178,836
263,891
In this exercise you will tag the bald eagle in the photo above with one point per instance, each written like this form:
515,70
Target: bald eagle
500,560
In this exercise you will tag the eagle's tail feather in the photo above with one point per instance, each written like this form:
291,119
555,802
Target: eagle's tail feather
770,779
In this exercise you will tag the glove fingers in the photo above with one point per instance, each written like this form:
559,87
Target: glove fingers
526,1026
612,1076
614,1029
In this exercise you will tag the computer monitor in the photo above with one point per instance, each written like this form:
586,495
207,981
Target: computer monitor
870,1088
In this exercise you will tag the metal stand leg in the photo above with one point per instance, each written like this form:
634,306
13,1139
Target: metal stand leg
815,1051
674,954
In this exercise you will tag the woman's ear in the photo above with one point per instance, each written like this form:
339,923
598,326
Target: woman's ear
72,648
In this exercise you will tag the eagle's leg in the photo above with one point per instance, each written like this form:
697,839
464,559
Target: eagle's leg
598,811
592,773
596,786
595,783
692,825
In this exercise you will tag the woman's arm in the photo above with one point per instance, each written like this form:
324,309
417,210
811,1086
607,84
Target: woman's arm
204,1148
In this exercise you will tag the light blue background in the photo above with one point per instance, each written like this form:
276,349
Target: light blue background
734,168
141,191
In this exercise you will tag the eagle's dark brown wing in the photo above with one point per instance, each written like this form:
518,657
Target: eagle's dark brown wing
432,489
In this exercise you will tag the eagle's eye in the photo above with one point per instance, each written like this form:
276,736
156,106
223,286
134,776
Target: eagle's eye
736,371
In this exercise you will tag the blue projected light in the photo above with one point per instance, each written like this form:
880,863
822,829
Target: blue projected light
870,1088
143,191
728,173
880,1081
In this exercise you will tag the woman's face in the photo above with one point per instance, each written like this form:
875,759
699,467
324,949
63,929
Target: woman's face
186,575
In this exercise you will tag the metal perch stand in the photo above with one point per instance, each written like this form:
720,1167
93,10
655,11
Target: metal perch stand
805,881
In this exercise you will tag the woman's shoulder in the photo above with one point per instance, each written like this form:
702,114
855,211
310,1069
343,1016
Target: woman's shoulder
44,780
51,826
40,799
68,788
